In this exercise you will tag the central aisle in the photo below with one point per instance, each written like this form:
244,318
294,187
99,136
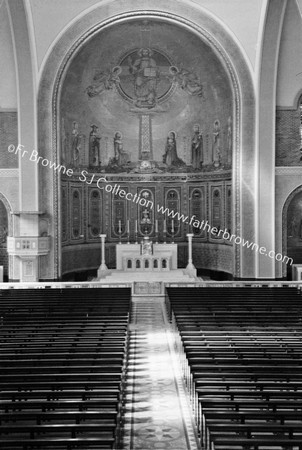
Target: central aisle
158,414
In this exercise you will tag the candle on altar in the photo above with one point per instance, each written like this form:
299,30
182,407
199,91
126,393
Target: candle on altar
128,226
119,226
172,226
165,226
135,226
156,226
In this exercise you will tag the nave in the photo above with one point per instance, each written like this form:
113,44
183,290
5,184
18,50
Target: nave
203,368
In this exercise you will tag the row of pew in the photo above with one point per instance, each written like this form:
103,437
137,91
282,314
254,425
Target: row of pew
63,365
240,350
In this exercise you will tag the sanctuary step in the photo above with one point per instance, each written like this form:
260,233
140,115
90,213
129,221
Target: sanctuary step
177,275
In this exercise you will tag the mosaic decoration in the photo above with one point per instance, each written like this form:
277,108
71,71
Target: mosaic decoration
228,212
146,212
198,210
172,202
64,212
76,207
144,103
216,210
120,220
95,213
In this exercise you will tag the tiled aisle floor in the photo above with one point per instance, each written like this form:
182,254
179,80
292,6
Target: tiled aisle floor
157,414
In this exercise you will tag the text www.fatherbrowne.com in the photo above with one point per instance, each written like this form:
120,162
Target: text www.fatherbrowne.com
102,183
223,234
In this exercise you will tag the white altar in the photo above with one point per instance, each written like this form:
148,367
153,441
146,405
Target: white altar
146,256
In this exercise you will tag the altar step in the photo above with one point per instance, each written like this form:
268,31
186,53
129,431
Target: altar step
171,276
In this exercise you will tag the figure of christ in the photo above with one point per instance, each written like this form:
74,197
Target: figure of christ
146,75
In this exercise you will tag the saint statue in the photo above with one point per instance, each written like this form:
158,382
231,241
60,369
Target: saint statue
170,156
197,148
146,74
120,155
94,147
76,144
216,144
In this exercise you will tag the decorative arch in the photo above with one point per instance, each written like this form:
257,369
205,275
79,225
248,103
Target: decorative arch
285,228
299,108
217,37
298,99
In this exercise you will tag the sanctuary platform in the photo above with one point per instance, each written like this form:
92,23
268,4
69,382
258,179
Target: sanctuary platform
147,266
120,276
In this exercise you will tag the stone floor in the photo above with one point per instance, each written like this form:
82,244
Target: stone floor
158,414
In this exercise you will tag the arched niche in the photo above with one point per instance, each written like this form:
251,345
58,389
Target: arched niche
209,31
292,229
6,229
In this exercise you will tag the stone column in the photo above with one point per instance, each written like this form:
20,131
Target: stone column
190,269
103,266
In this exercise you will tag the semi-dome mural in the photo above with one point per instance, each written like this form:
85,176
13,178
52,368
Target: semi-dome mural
146,96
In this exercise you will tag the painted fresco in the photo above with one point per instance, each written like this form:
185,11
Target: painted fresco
146,97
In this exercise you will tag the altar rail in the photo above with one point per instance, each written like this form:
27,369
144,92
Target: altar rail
197,284
248,284
63,285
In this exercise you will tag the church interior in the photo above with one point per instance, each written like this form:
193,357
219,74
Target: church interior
151,224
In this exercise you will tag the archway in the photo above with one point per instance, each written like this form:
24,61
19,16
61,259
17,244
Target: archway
292,228
242,213
5,230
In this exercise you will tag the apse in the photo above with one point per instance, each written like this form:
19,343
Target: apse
147,105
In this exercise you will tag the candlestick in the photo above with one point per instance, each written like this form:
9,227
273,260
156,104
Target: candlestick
172,226
165,226
156,226
103,266
190,269
136,226
119,227
128,226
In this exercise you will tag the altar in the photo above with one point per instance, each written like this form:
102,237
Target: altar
146,256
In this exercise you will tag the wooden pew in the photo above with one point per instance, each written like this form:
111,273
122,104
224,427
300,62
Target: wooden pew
64,362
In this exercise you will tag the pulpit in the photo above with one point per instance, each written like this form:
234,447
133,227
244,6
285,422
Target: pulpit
146,256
